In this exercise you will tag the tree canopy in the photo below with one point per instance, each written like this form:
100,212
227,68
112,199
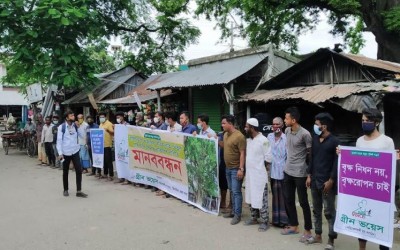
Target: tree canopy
280,22
58,41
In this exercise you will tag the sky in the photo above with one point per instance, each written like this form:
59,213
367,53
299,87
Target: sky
209,43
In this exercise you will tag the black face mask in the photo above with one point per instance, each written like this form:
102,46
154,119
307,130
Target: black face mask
90,123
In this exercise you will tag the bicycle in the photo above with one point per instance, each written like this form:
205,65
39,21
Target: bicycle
31,147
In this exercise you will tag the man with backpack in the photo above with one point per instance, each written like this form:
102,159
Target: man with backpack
68,150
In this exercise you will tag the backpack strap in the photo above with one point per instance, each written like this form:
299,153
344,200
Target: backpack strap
63,127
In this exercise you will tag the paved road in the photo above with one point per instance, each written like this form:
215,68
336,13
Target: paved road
35,215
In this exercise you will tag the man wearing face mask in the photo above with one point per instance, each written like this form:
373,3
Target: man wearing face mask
83,152
322,177
108,141
187,127
373,139
202,125
120,117
256,192
277,140
159,122
91,125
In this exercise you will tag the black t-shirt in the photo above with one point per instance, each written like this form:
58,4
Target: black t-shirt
324,161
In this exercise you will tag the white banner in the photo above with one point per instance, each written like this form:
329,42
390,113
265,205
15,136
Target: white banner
122,151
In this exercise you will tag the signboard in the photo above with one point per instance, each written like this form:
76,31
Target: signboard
34,92
97,143
365,204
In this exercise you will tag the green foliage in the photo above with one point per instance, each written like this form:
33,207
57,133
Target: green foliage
56,41
392,19
354,37
280,22
202,166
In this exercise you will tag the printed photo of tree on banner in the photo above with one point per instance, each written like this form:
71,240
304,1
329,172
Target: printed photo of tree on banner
202,167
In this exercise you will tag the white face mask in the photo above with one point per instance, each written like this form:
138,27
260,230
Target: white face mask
102,119
156,119
55,121
118,120
199,126
167,123
148,120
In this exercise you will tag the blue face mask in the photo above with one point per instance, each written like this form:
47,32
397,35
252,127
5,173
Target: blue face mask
317,130
368,127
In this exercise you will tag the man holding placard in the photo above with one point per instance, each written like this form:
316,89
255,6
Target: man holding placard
366,175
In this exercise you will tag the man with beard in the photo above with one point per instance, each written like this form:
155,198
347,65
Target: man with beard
68,149
256,192
322,176
277,140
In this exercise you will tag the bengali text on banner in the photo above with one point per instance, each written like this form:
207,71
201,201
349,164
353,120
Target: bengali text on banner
365,204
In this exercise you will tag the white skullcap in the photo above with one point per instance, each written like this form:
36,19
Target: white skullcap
253,122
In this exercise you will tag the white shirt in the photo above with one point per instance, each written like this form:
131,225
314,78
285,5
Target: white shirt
83,133
47,133
67,144
208,131
258,151
176,128
381,142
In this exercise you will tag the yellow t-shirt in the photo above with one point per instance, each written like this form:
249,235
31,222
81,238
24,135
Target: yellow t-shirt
108,138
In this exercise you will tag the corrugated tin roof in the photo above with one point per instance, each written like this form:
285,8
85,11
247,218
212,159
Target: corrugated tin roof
219,72
106,87
12,97
143,98
379,64
143,92
285,78
314,94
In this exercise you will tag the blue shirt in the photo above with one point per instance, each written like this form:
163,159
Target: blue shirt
189,129
279,155
161,126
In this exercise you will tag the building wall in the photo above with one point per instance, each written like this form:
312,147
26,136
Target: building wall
211,101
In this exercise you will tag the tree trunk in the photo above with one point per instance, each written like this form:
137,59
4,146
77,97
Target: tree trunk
388,42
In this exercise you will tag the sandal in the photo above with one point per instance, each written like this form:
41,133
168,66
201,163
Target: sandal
288,231
305,237
161,193
313,240
263,227
329,247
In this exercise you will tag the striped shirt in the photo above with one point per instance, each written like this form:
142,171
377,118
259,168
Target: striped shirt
279,155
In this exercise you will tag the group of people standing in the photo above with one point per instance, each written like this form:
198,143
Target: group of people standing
287,161
294,160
